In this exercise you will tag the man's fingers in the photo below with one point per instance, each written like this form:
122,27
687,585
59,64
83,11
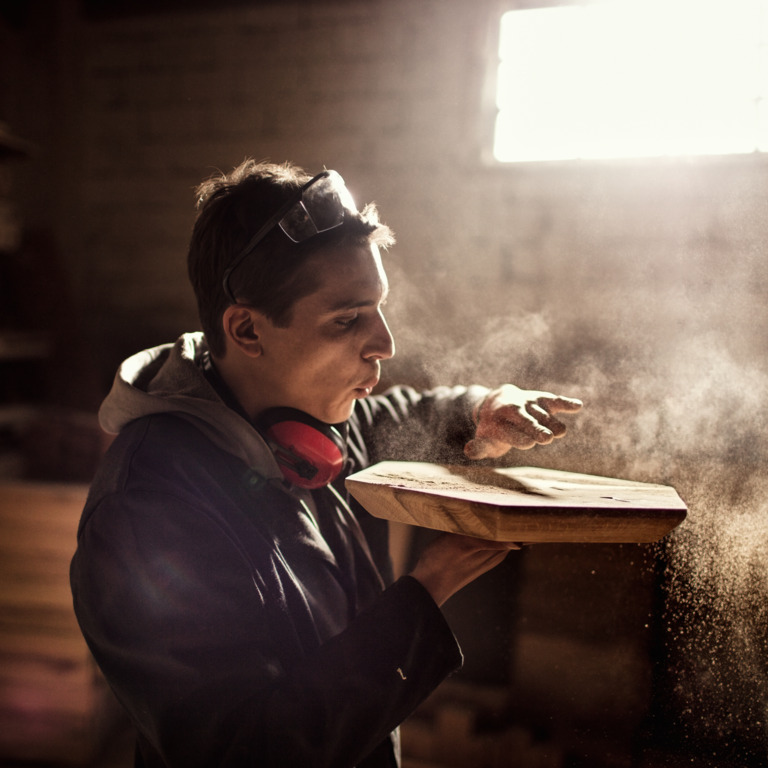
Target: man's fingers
523,421
475,543
555,404
544,407
533,425
555,426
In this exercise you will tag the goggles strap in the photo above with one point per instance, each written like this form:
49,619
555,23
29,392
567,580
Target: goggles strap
310,227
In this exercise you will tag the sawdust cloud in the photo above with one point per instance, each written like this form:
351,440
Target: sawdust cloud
672,395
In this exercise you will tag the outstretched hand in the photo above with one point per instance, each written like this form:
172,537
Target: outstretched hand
511,417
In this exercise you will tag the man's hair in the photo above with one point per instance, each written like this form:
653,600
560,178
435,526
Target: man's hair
231,209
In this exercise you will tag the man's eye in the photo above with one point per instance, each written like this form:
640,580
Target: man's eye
347,322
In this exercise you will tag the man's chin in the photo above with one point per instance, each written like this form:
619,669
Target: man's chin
338,415
334,415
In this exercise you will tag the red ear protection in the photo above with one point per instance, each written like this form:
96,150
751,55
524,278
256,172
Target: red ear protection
311,453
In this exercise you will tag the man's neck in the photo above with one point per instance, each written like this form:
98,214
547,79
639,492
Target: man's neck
225,383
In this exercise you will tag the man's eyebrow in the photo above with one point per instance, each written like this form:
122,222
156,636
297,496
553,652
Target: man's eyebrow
350,304
355,303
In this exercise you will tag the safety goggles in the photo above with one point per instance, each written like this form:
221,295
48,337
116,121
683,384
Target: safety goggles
318,206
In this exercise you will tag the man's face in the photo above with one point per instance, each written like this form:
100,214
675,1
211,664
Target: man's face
330,354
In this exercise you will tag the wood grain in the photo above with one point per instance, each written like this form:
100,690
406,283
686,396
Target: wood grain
520,504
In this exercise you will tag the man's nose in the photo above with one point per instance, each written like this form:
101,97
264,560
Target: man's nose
381,345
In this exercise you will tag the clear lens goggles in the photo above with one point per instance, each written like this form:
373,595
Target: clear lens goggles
318,206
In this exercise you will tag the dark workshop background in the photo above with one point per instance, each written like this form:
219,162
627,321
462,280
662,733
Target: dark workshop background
639,286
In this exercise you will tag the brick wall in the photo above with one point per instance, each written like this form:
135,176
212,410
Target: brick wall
142,107
384,92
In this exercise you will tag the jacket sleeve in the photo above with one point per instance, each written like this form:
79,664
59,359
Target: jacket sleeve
205,652
403,424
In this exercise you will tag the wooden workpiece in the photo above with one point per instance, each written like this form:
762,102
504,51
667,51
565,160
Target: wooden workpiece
518,504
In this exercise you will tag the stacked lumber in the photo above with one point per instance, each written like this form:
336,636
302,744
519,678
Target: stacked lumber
54,705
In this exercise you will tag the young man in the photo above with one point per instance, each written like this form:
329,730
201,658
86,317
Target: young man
241,607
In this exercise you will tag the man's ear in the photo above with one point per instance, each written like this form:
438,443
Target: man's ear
242,328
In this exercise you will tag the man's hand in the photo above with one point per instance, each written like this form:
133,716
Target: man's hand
451,561
510,417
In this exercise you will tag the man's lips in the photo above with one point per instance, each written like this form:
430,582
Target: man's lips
367,386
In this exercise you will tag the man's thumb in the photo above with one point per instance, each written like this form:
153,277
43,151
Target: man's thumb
480,448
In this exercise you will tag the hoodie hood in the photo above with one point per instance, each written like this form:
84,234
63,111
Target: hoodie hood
170,379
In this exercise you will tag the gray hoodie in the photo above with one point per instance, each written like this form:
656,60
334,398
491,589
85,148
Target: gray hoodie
170,378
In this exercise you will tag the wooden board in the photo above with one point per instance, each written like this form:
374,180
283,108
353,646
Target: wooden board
519,504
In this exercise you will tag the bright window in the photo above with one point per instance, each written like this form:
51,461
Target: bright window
633,78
